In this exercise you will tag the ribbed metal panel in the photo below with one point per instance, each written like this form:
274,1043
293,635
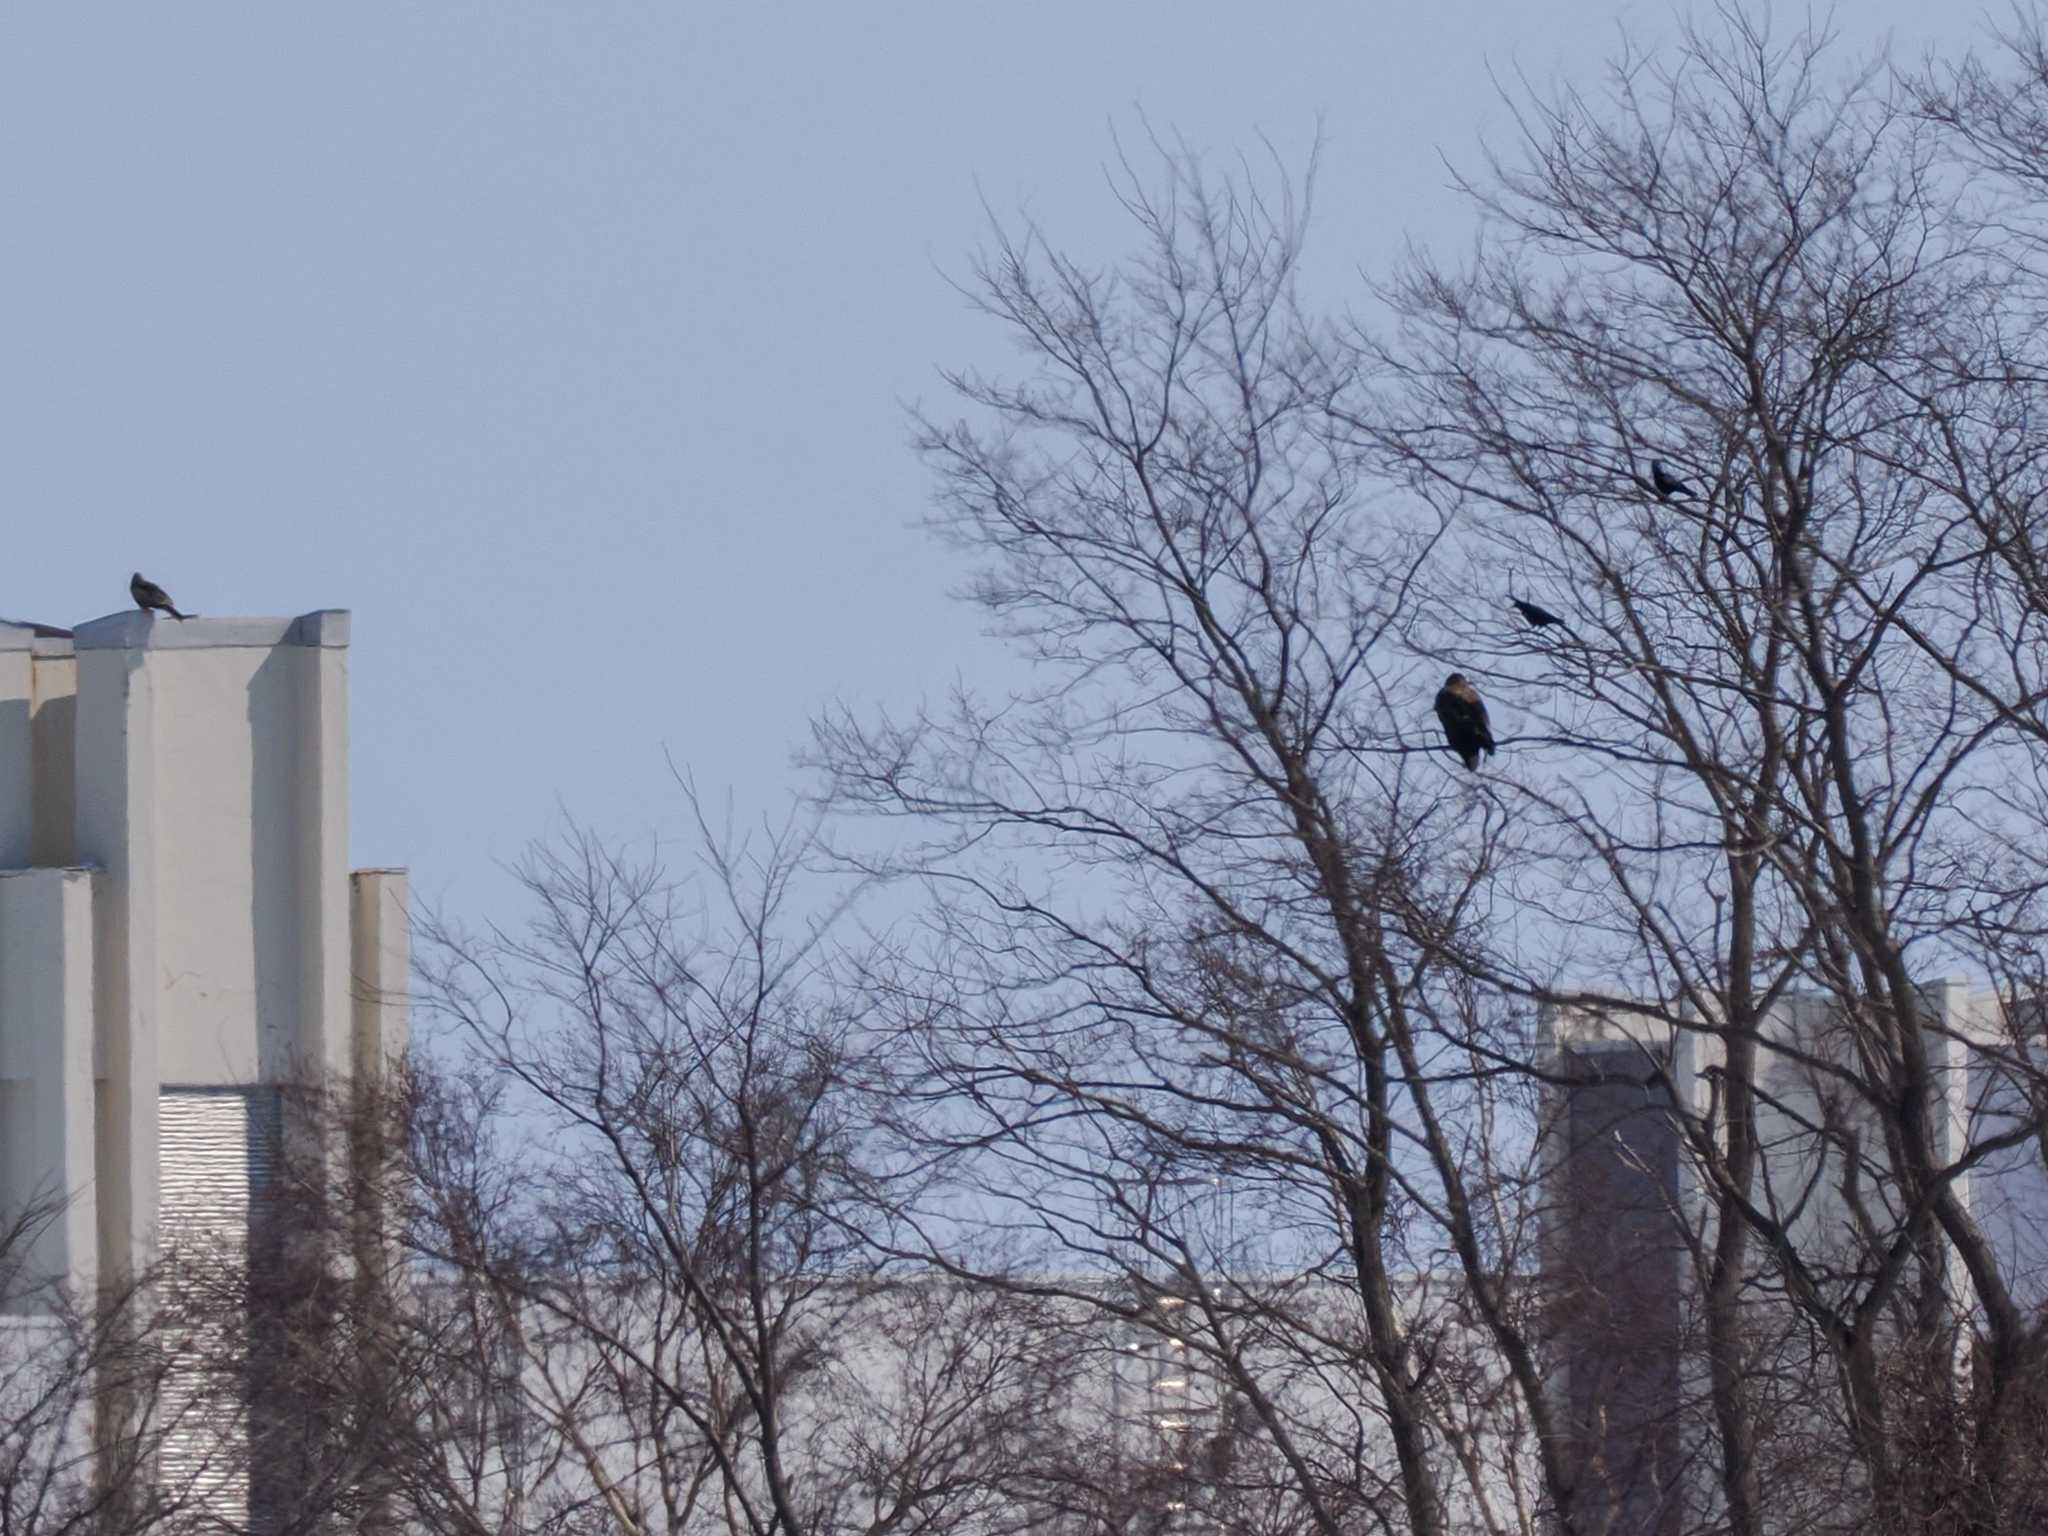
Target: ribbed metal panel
216,1156
215,1150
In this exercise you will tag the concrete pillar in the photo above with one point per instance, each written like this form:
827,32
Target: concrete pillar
380,963
1618,1188
116,802
380,968
46,1089
212,788
320,654
17,776
37,685
53,724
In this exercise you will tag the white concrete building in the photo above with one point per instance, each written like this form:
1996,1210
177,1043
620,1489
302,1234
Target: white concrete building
180,936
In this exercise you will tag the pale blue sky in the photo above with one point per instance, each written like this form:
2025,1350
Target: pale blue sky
565,343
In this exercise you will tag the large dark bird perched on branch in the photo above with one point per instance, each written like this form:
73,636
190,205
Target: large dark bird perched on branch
1464,718
1666,484
1541,618
148,594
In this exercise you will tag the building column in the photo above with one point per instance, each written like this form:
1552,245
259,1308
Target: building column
117,832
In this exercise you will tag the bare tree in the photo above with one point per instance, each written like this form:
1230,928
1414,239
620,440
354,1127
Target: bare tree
104,1423
1275,1125
1735,394
649,1204
1174,1013
1791,725
81,1394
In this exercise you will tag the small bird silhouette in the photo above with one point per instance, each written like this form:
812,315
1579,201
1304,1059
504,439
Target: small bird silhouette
148,594
1666,484
1464,719
1539,617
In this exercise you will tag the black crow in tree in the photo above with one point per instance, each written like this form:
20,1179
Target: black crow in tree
1666,484
1464,718
148,594
1540,617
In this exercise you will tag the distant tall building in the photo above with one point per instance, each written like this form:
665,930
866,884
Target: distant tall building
1628,1210
181,939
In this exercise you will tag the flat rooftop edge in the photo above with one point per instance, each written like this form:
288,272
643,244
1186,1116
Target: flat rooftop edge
25,634
134,630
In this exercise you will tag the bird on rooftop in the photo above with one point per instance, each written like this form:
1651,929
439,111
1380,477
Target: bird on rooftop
148,595
1666,484
1464,719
